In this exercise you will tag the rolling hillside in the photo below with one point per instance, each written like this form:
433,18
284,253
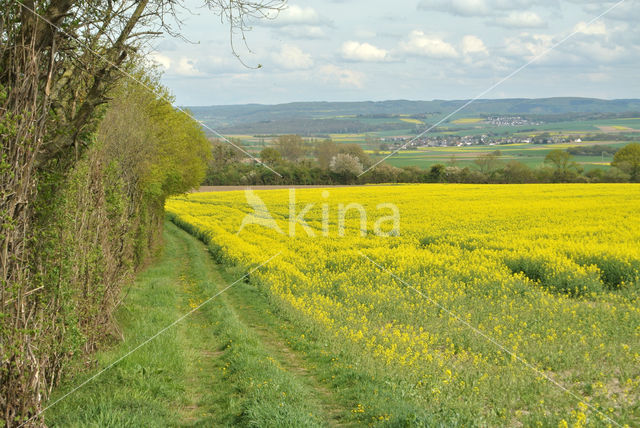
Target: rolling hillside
321,117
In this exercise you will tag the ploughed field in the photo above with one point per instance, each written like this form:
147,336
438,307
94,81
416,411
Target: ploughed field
470,304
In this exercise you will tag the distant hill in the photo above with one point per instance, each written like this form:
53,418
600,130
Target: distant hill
335,116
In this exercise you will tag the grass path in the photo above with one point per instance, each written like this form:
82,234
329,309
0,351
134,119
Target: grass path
265,325
249,311
226,364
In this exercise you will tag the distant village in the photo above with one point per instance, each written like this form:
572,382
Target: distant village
485,139
511,121
477,140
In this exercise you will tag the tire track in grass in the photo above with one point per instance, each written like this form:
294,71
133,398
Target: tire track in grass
214,363
200,403
289,359
203,362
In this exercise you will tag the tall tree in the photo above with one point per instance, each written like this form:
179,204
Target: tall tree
325,151
562,162
290,147
559,159
347,166
270,156
628,160
357,151
489,162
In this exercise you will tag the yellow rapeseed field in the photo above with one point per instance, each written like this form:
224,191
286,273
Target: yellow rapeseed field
485,302
468,120
411,120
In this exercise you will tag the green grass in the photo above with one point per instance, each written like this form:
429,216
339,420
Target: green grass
208,370
530,154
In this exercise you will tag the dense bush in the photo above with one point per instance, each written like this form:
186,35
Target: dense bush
628,160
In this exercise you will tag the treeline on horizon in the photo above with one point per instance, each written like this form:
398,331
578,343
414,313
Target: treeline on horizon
326,162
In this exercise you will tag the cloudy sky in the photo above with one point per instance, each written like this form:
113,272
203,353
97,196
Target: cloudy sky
356,50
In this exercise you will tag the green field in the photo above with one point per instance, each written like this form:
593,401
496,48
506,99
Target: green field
530,154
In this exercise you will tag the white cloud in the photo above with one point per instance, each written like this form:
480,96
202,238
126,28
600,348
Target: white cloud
473,45
522,19
583,51
160,59
430,46
188,64
166,45
483,8
357,51
293,58
297,32
596,77
599,52
627,11
214,64
528,45
596,29
344,76
294,15
185,67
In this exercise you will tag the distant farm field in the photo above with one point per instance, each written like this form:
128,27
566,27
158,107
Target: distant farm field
467,120
532,155
615,132
510,305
